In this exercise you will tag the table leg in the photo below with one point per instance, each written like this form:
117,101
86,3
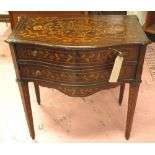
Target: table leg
24,91
122,87
133,94
36,86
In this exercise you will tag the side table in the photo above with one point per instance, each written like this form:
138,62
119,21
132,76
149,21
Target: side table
79,56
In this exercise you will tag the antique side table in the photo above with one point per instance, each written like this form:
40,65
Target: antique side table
78,56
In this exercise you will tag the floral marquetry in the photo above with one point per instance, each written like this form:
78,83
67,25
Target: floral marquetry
78,56
80,31
74,57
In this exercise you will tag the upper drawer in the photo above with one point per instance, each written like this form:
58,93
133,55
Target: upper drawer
76,57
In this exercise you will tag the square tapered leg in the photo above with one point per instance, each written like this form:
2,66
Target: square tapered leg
24,91
37,91
133,94
122,87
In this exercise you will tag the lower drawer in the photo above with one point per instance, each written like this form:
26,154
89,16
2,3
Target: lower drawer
73,76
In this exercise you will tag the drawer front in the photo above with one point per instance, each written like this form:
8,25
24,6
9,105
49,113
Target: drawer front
68,76
77,58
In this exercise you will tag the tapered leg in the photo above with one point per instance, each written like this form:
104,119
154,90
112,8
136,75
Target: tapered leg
36,86
24,91
133,93
122,87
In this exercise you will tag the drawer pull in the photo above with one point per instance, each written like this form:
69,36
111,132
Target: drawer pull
120,54
37,73
34,53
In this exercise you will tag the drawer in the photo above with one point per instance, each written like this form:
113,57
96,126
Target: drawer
70,76
76,57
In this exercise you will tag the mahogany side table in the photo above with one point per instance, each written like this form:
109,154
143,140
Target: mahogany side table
78,55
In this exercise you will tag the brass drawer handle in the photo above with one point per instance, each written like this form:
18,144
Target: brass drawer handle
37,73
119,53
34,53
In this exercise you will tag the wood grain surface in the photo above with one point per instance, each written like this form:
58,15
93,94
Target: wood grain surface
81,31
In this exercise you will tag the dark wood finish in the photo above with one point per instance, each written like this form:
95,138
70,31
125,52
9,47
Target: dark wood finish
72,57
37,91
24,91
122,87
133,93
74,76
15,15
80,32
76,55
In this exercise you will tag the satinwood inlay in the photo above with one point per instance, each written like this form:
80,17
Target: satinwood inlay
81,31
76,55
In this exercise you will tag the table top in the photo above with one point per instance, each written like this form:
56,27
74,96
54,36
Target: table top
79,31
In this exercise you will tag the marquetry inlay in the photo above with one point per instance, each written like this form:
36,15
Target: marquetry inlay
80,31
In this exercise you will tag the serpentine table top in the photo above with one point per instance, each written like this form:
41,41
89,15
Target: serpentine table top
80,32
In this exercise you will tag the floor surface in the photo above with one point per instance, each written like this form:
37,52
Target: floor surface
60,118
